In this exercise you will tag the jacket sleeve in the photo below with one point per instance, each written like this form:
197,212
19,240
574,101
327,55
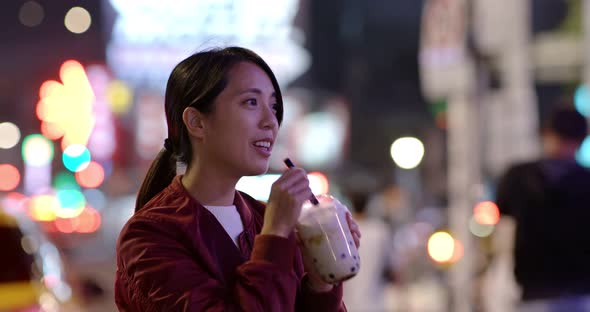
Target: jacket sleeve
164,275
309,300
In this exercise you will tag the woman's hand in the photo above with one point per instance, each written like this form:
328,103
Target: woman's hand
284,204
314,280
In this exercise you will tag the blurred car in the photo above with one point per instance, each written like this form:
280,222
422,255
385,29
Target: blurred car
31,271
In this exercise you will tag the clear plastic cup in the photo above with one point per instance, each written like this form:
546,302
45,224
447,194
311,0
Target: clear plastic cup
327,240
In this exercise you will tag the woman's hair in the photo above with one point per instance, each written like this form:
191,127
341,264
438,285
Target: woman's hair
568,124
194,82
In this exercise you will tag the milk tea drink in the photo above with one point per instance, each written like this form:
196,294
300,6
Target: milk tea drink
327,240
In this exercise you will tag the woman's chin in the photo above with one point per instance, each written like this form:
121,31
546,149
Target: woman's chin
257,170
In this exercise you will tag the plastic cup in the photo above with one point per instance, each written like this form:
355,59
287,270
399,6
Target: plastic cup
327,240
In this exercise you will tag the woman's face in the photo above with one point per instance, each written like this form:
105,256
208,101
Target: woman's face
241,130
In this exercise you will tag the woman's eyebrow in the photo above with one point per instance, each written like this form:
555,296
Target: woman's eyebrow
257,91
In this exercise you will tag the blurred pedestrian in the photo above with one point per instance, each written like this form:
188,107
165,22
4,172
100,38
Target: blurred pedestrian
548,201
194,242
366,291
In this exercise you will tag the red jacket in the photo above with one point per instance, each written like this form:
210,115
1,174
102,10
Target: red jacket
173,255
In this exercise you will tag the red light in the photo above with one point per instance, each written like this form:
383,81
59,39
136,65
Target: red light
89,221
66,225
9,177
487,213
51,130
92,176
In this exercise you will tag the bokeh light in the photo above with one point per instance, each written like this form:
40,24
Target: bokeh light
582,100
67,105
31,14
76,157
37,150
43,207
14,202
9,177
9,135
51,130
487,213
458,251
66,225
479,229
318,183
583,154
29,244
71,202
407,152
88,221
92,176
78,20
65,180
441,246
119,96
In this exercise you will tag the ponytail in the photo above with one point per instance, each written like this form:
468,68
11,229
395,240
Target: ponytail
159,176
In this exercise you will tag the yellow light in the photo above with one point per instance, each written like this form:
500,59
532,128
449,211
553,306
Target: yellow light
43,207
78,20
407,152
68,213
119,96
16,295
318,183
67,107
9,135
441,246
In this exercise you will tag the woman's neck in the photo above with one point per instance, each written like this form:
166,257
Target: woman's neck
209,188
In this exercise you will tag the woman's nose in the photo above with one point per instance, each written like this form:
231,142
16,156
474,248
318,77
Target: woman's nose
269,118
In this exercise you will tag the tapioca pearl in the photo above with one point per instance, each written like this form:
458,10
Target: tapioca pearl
350,243
343,255
358,265
354,257
353,269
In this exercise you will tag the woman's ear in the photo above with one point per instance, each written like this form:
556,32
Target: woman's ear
193,120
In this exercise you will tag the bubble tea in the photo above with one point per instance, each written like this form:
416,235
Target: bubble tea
327,240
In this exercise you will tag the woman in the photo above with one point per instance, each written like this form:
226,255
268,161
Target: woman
194,242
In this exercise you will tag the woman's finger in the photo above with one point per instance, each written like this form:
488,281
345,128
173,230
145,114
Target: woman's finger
354,228
356,239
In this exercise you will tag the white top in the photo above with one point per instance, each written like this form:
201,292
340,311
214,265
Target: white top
229,218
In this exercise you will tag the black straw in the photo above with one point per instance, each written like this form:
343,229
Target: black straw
312,199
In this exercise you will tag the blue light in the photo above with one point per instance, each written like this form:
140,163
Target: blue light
582,100
583,154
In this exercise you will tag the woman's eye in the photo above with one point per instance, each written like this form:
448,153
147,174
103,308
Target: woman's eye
252,102
275,107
